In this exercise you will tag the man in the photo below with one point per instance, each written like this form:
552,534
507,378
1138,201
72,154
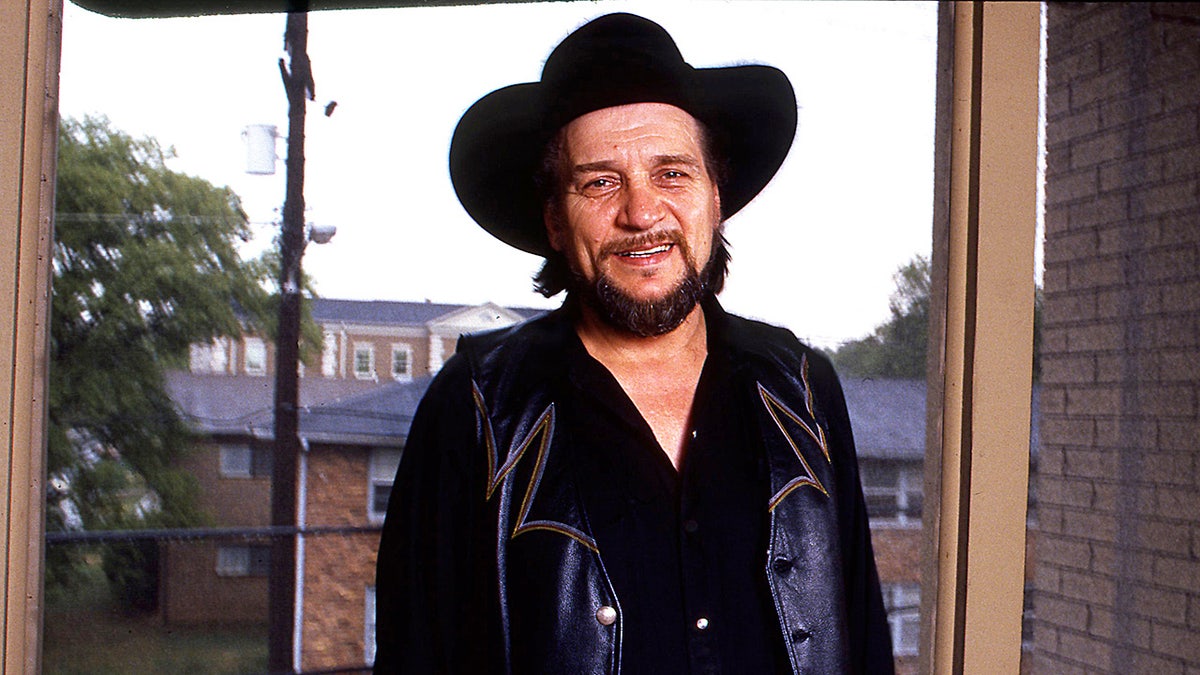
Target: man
637,482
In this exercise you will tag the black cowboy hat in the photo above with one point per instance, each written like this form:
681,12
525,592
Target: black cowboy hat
750,113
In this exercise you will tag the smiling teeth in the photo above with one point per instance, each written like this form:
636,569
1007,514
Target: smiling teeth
663,248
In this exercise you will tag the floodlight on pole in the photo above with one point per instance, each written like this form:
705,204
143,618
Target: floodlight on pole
321,234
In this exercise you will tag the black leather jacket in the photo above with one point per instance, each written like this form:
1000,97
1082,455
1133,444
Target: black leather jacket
487,563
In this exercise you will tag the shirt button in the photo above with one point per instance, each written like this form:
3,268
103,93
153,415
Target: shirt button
606,615
702,624
690,526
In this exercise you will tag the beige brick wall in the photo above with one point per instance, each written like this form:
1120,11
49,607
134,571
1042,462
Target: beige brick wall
1117,562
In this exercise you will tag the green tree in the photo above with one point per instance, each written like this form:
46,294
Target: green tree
145,264
897,348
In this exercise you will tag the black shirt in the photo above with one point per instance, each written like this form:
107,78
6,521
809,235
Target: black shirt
685,550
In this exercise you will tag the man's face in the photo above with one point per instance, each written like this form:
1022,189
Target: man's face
639,209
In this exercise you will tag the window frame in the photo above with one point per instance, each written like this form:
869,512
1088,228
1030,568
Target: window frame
372,372
255,344
984,234
407,350
381,471
225,460
252,561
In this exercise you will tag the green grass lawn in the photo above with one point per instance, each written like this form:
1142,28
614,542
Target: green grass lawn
85,633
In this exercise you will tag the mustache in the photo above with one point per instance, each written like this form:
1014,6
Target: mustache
644,240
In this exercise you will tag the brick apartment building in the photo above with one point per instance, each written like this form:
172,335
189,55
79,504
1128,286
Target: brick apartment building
1118,481
357,403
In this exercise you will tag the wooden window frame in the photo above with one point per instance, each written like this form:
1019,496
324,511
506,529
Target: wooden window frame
984,232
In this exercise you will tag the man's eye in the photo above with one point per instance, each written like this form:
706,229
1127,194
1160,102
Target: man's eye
597,186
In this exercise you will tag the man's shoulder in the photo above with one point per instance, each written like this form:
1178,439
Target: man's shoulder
516,357
533,336
766,340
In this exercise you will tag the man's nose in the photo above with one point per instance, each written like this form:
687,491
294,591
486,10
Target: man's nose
643,207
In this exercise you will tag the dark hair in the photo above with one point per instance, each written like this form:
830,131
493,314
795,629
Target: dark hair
555,274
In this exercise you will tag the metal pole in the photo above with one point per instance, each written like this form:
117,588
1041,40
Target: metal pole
282,584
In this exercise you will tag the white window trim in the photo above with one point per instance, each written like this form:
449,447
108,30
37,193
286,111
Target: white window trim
329,352
369,604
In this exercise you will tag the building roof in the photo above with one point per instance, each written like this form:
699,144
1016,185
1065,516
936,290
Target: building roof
391,313
242,404
887,416
380,416
332,410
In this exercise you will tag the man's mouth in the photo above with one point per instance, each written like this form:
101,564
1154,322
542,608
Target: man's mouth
647,252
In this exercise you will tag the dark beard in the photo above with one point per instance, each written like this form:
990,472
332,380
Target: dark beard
647,318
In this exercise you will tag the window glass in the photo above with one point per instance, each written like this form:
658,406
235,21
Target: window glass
402,362
256,356
364,361
848,275
384,464
237,461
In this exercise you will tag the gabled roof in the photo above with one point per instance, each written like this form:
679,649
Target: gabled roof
340,411
887,416
243,404
380,416
393,313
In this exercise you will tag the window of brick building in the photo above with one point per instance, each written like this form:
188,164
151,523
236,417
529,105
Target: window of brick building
209,358
237,461
893,490
364,361
255,356
243,561
903,604
402,361
242,460
383,472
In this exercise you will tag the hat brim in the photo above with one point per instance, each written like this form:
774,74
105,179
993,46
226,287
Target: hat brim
497,147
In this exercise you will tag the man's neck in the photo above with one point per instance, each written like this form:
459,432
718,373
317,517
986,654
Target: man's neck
659,374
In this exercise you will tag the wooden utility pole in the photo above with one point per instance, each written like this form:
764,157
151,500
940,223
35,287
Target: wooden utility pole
298,83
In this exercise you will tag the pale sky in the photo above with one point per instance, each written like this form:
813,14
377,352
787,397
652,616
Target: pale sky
815,252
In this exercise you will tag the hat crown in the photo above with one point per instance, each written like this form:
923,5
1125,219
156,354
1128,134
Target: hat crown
614,60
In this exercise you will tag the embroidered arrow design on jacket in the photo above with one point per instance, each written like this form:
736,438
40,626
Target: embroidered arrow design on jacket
539,436
778,411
